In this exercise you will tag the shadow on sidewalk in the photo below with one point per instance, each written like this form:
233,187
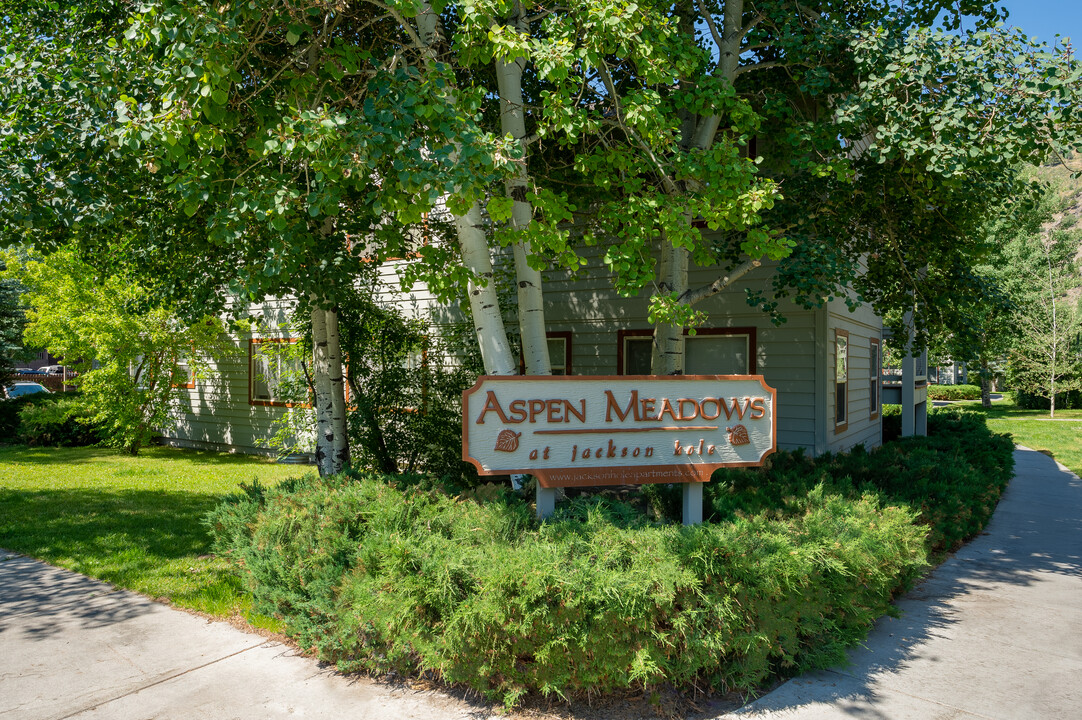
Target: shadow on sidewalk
1030,552
54,597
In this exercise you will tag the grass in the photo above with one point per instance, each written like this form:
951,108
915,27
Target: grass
135,522
1061,437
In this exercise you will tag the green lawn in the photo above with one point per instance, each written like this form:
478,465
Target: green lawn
1062,437
136,522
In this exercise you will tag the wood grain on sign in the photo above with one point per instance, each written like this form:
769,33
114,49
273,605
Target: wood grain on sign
616,430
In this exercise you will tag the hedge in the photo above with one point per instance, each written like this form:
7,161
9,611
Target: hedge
61,421
954,392
798,560
1067,400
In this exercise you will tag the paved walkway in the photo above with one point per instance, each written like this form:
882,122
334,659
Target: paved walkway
71,647
995,632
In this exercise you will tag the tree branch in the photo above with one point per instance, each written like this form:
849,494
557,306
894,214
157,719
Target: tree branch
669,183
749,27
761,66
544,14
709,19
693,296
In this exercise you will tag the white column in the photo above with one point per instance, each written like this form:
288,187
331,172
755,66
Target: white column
693,503
909,393
546,501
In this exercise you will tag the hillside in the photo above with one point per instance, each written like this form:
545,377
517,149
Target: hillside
1067,194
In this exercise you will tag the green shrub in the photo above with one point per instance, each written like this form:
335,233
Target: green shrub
954,392
383,579
892,422
62,421
953,476
10,409
1028,400
796,562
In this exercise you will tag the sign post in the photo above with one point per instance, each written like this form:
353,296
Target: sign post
579,431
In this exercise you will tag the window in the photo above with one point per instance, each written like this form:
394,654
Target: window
841,380
275,374
711,351
873,377
634,351
717,354
185,376
559,353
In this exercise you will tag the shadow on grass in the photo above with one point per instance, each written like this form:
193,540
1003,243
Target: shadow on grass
129,538
99,524
79,455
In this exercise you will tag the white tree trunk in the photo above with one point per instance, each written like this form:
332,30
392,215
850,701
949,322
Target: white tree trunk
473,245
668,354
1055,339
732,36
332,443
338,391
321,381
531,311
485,304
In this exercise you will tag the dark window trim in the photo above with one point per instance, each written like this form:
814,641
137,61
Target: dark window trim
565,335
622,335
252,342
873,377
750,332
840,427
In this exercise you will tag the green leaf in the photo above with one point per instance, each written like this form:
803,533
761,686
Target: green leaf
500,208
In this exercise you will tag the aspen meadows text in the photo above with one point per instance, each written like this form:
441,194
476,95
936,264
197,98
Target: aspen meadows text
646,409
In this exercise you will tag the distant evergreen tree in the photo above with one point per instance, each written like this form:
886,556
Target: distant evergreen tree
12,321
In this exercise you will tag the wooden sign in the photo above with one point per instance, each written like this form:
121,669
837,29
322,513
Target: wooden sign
616,430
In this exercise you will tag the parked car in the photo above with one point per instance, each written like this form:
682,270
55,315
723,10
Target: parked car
24,388
52,369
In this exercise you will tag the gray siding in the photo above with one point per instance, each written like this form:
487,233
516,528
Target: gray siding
863,325
216,413
795,358
585,305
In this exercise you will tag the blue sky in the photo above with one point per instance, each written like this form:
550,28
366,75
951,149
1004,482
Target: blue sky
1046,18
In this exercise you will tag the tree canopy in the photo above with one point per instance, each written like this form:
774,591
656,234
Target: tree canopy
276,148
132,355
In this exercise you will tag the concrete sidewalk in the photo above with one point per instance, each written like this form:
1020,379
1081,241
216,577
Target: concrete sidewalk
995,632
72,647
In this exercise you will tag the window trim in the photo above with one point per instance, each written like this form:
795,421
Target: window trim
840,427
564,335
190,383
874,373
750,331
252,342
621,338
